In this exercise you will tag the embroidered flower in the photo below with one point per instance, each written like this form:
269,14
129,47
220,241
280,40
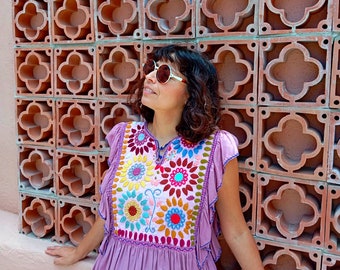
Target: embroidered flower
179,177
176,220
136,172
139,141
133,210
187,148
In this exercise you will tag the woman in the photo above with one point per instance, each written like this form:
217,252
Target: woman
173,179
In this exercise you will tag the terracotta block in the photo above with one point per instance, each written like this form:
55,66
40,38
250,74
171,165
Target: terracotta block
334,149
31,21
295,71
74,221
35,122
335,81
237,63
118,69
242,122
278,17
76,175
281,256
112,113
291,211
168,19
293,142
118,19
38,215
36,168
75,72
72,21
34,72
336,15
224,18
76,125
332,234
330,262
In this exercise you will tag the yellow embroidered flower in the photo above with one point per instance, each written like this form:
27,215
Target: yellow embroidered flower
135,173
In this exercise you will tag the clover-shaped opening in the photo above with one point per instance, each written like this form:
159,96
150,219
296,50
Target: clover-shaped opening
225,12
117,15
40,216
33,72
293,11
118,70
37,168
232,71
31,20
35,121
72,18
291,210
75,72
76,125
167,14
292,154
289,72
77,223
77,176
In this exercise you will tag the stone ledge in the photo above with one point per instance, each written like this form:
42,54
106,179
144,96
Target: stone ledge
18,251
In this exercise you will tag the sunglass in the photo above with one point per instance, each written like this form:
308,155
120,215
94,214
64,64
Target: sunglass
163,72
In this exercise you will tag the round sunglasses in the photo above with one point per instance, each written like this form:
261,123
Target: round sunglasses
163,72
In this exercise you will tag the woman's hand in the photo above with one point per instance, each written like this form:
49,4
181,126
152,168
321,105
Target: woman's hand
65,255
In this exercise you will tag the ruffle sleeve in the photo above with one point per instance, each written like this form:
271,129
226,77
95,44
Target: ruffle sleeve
115,139
225,148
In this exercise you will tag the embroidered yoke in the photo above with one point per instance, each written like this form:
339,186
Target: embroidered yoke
159,206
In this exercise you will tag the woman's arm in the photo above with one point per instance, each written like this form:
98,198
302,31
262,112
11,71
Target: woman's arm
67,255
233,225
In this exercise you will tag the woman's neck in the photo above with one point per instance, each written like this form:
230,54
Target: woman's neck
164,130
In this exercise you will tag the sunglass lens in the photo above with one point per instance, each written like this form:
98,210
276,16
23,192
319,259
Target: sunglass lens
149,66
163,73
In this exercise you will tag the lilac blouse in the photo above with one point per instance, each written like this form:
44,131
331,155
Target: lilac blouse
159,206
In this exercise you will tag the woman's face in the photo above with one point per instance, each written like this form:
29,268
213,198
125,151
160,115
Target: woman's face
165,97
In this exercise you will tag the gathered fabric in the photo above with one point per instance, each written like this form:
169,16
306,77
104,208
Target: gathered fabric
159,204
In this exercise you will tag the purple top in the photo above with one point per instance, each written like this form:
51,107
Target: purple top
159,203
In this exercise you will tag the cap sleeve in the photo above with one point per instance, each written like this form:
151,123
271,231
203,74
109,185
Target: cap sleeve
225,148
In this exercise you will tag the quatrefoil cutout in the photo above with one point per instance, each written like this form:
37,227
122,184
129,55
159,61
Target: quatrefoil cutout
37,168
77,125
40,216
232,69
294,72
72,18
117,15
294,13
169,15
31,20
119,70
36,120
34,72
75,72
292,142
77,175
286,259
227,14
77,223
291,210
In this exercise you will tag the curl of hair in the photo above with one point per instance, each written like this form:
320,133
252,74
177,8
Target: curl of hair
201,112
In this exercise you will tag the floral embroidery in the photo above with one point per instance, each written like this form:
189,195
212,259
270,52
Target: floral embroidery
139,141
136,172
176,220
179,177
133,210
187,148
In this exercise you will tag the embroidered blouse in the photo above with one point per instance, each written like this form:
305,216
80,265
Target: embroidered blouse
159,206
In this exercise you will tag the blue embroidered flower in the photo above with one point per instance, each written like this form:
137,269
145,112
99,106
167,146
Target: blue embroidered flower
187,148
175,218
136,171
133,210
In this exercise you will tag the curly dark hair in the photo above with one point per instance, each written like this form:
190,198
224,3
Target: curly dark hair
201,113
